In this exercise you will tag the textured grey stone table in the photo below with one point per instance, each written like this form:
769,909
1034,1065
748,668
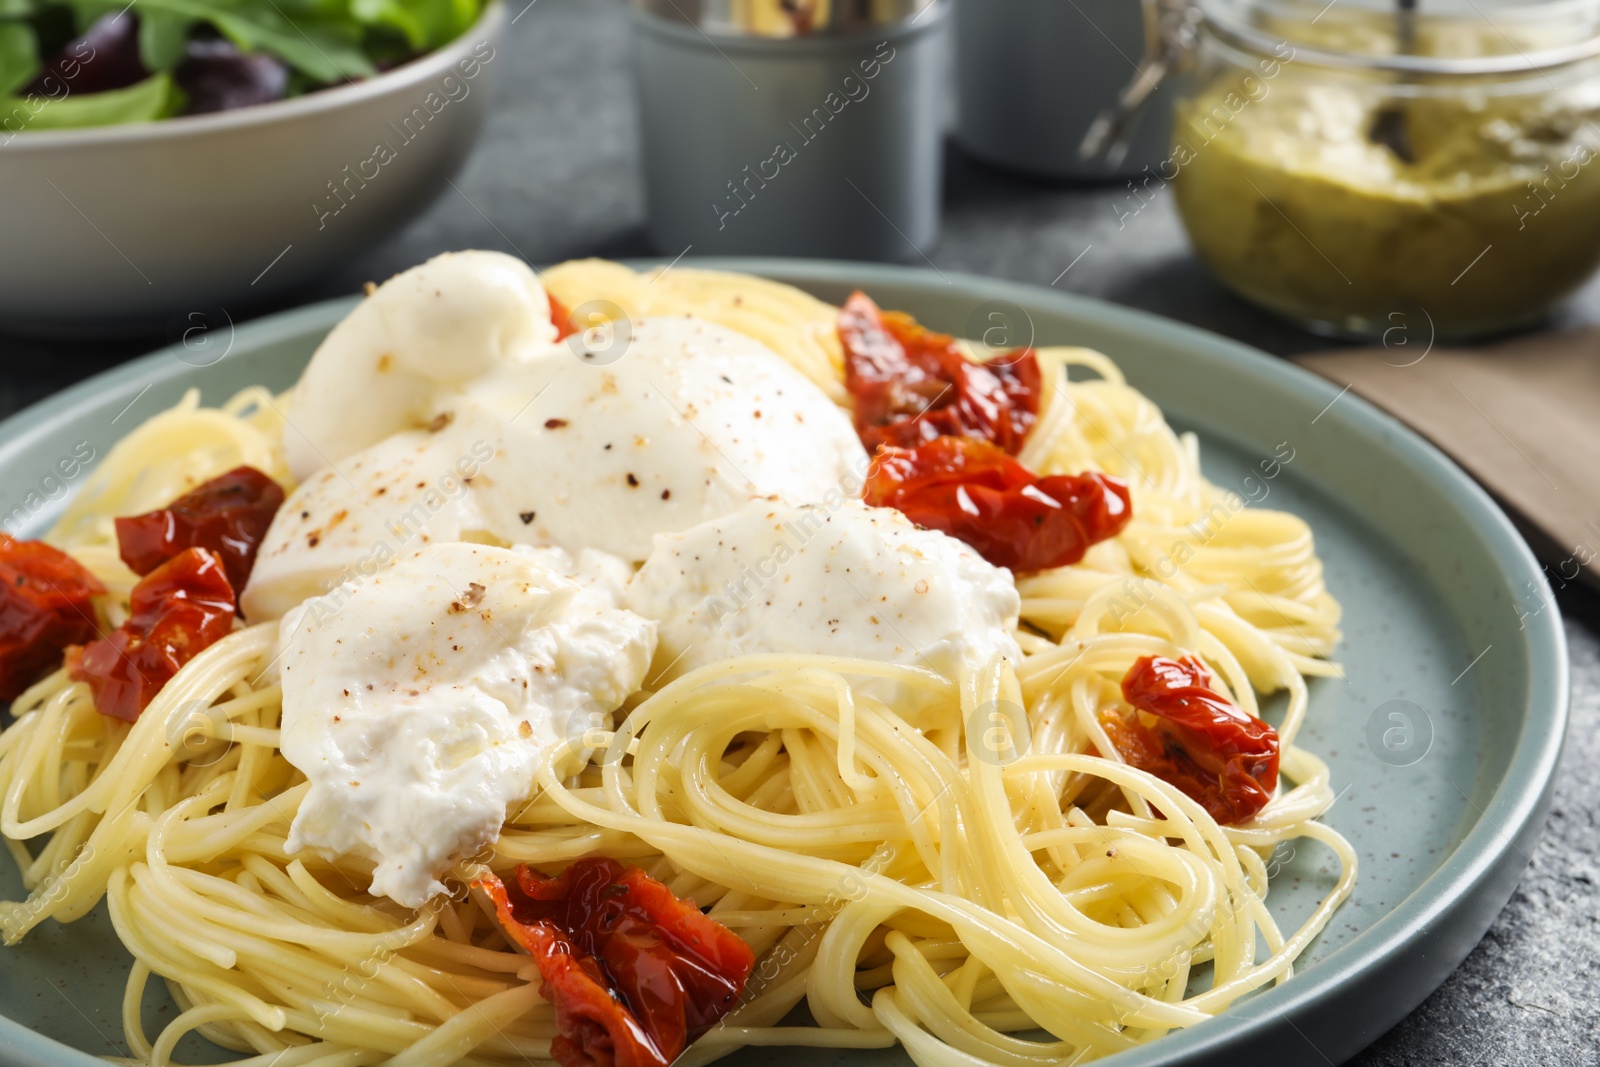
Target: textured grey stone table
555,177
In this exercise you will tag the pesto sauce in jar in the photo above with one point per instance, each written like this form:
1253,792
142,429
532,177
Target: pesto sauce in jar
1290,199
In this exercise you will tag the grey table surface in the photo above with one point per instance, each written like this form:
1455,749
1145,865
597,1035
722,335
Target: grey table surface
556,177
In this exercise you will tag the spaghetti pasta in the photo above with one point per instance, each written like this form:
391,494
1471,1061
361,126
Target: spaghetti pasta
950,872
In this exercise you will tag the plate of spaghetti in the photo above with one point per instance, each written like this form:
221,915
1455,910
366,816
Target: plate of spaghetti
759,659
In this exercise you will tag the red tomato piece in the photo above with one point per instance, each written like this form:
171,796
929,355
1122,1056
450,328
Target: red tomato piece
636,975
178,611
228,515
911,385
562,318
973,491
1198,740
46,604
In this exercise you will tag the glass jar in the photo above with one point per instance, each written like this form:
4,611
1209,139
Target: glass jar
1344,164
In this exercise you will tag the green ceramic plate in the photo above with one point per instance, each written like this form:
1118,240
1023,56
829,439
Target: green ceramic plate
1443,738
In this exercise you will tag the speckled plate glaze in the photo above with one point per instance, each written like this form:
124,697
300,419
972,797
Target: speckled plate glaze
1443,737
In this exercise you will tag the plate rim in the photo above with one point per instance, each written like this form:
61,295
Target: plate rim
1470,886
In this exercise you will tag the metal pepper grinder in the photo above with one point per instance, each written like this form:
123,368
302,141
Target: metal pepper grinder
791,127
1044,85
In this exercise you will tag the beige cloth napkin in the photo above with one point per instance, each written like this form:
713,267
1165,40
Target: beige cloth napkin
1523,417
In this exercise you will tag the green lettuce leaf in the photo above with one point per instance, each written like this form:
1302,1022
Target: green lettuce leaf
426,24
154,98
162,38
19,56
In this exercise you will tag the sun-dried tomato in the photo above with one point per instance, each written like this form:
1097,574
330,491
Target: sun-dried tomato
1197,739
636,975
972,491
228,515
561,317
46,604
911,385
177,611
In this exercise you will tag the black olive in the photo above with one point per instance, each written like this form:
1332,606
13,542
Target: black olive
103,57
218,77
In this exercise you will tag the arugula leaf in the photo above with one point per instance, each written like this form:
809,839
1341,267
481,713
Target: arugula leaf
162,38
315,10
19,56
327,51
157,97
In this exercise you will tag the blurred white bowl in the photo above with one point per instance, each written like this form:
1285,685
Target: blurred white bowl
124,226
